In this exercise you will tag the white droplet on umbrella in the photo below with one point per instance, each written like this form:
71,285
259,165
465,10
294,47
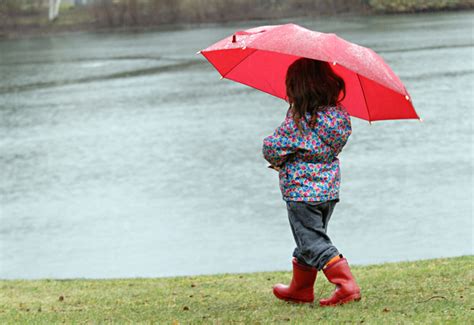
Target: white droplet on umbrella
407,98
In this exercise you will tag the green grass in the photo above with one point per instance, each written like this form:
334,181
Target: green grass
427,292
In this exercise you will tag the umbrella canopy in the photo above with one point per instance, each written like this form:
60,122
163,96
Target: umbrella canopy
259,57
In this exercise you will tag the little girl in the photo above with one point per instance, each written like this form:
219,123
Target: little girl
304,149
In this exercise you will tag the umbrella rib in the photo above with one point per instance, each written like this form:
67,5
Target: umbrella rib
363,95
254,50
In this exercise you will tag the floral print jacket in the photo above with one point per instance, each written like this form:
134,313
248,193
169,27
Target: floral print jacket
309,167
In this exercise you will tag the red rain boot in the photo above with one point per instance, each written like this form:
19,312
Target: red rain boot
301,286
347,289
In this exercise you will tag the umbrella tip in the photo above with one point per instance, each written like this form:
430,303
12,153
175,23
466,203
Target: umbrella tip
234,38
198,52
420,119
222,77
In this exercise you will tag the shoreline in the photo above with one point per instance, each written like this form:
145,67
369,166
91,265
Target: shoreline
56,29
194,275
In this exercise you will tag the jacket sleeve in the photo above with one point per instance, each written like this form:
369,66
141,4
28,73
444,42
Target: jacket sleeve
335,128
284,142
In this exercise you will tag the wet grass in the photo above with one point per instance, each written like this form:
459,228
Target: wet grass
436,291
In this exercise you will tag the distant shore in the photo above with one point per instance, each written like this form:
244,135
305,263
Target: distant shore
166,14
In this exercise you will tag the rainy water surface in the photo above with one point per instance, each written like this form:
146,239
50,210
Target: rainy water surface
124,155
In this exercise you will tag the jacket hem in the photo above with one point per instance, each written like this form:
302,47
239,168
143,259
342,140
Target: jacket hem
312,198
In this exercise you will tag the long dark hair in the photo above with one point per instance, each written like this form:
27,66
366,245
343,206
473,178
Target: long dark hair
310,86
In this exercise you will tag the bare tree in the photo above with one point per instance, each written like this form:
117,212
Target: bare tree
132,8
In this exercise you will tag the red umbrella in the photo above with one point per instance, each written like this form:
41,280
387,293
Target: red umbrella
259,57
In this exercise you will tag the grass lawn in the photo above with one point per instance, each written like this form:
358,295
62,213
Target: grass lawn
436,291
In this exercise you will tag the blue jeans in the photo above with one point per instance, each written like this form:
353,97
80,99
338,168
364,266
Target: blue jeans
309,222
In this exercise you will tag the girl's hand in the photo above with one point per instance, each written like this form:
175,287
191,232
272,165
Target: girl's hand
274,167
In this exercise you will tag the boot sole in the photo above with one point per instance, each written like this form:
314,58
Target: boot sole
354,297
298,301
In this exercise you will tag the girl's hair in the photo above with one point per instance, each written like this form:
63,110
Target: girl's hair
310,86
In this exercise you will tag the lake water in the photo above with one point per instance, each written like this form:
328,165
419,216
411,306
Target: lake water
124,155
